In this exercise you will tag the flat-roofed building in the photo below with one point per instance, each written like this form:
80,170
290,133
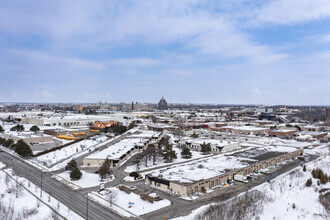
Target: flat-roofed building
283,132
205,174
28,136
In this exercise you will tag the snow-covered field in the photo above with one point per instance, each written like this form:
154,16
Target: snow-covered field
129,202
289,189
87,179
25,205
76,149
287,197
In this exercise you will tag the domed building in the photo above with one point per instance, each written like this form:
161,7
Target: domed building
162,104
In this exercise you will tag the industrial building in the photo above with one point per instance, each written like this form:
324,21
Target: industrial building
195,180
75,120
122,150
28,137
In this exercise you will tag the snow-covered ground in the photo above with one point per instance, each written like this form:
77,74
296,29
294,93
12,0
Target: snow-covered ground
132,202
26,206
87,179
2,165
287,197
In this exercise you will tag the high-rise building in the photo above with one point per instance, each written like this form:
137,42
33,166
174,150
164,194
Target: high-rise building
327,113
162,104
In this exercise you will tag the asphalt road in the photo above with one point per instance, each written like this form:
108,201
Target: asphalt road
73,199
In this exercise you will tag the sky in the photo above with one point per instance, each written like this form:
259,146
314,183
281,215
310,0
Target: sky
196,51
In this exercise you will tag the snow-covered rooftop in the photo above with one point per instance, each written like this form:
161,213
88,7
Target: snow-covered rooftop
118,149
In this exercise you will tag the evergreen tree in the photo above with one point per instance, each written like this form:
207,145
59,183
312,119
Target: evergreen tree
34,128
1,129
185,153
22,148
118,128
71,165
309,182
324,179
304,168
75,174
206,148
105,169
169,154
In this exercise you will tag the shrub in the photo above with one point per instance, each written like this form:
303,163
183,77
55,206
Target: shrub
17,128
34,128
135,175
8,143
185,153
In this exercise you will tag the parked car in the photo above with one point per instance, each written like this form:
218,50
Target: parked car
155,195
133,188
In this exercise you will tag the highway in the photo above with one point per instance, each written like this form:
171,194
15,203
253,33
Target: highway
76,201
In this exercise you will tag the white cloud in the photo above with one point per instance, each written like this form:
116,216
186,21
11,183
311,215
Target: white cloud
288,12
45,94
107,24
45,58
136,62
325,38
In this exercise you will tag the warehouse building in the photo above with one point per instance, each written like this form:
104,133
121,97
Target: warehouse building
119,152
194,180
28,137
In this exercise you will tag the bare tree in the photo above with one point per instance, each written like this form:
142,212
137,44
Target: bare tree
137,161
112,196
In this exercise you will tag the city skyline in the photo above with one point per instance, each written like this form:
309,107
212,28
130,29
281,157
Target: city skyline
229,52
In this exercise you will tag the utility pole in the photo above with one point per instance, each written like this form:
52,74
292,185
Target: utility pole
41,184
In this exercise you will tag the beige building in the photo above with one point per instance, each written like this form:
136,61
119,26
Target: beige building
28,137
185,189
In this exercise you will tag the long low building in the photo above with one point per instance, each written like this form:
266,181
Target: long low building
217,146
28,137
75,120
120,151
205,174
